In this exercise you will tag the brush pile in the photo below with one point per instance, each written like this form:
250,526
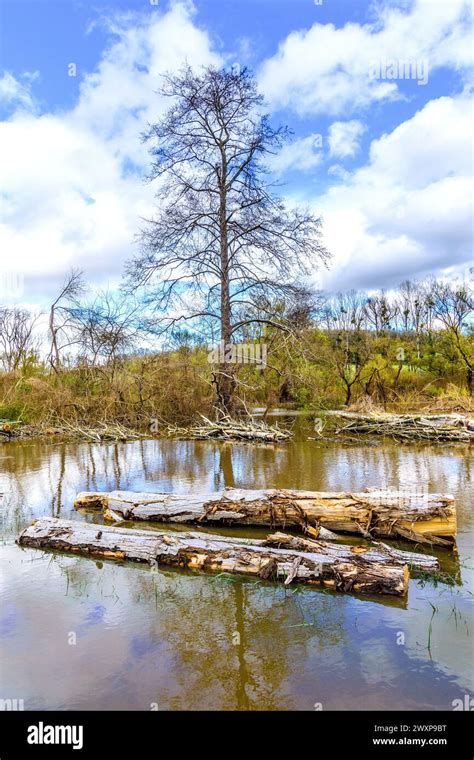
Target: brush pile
456,428
104,432
68,431
228,429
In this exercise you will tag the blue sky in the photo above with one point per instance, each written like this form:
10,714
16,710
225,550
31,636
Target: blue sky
380,148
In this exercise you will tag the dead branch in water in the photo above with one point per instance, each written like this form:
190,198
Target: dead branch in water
105,432
409,427
228,429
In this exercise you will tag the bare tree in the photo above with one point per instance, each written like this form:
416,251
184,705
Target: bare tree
106,327
17,339
413,308
220,237
380,312
453,305
61,316
345,311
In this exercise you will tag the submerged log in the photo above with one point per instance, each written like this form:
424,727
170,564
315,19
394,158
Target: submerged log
365,570
421,517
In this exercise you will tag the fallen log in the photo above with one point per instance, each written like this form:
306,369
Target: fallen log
421,517
365,570
378,552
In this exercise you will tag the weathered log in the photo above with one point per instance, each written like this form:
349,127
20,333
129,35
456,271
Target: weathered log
364,570
421,517
378,552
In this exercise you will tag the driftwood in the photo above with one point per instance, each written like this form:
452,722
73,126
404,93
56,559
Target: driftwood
409,427
104,432
8,428
421,517
367,570
228,429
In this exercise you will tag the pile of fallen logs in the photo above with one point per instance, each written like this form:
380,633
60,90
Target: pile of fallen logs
228,429
374,568
409,427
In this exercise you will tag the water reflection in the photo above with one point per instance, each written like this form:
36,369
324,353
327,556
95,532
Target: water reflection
191,641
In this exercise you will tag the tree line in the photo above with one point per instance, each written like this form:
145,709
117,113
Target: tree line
323,350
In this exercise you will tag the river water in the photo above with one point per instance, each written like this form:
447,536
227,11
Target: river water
76,633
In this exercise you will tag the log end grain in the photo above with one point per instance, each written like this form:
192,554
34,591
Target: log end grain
91,500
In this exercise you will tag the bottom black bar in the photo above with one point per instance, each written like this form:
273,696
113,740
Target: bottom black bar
106,734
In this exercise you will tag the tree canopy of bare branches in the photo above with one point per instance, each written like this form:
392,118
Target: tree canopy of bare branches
17,338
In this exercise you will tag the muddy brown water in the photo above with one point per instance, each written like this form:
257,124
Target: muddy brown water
81,634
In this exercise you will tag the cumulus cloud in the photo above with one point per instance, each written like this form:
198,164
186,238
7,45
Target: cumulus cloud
71,187
408,211
72,192
344,138
302,154
326,69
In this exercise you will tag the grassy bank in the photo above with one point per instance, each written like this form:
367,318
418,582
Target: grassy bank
172,387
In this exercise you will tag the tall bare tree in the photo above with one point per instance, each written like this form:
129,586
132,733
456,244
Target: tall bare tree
221,237
414,309
454,307
61,316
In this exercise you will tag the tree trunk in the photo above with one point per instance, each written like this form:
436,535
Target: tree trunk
285,395
343,568
225,383
348,395
55,360
425,518
224,379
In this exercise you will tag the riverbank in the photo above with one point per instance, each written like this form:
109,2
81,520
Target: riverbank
327,425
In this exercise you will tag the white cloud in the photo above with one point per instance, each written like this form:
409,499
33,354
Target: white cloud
68,196
344,138
117,100
328,69
16,93
303,154
408,211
